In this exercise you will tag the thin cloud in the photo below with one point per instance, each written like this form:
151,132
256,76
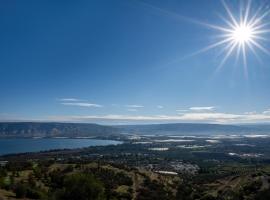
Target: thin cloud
188,117
70,99
196,117
182,111
267,112
215,117
132,110
250,113
134,106
202,108
160,107
81,104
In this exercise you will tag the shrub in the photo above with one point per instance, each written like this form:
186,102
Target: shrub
82,187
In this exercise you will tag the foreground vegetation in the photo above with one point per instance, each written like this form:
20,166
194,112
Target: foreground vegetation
100,181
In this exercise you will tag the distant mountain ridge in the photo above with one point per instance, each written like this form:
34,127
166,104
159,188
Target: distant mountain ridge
51,129
194,128
54,129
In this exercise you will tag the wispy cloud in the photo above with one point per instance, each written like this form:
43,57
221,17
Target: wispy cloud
210,117
201,117
132,110
250,113
207,116
70,99
160,107
134,106
202,108
81,104
182,110
77,102
267,112
196,114
187,117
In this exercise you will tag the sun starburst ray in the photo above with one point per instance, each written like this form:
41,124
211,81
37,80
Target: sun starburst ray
232,45
261,38
261,25
219,28
230,24
229,13
260,47
247,12
262,31
258,19
212,46
241,33
244,56
254,52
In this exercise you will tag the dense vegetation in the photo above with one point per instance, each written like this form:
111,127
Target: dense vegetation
96,181
48,180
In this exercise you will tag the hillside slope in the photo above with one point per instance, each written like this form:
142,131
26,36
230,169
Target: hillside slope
36,129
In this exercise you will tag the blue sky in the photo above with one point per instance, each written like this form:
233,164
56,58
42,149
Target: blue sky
126,62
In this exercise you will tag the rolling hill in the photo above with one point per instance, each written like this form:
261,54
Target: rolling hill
38,129
53,129
194,128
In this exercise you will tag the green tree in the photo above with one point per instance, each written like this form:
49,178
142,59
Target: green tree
82,187
263,195
20,190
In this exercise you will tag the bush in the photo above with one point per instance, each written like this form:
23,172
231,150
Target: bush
34,194
81,187
263,195
20,190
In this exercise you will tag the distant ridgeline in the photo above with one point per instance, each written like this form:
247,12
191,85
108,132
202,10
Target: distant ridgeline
36,129
50,129
195,129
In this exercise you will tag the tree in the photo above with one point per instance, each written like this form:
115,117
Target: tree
263,195
82,187
20,190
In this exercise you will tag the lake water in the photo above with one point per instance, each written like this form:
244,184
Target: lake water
8,146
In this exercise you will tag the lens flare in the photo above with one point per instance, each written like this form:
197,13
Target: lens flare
242,33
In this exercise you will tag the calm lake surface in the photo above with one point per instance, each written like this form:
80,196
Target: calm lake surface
8,146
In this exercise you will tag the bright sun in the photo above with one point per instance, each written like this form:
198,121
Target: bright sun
242,34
